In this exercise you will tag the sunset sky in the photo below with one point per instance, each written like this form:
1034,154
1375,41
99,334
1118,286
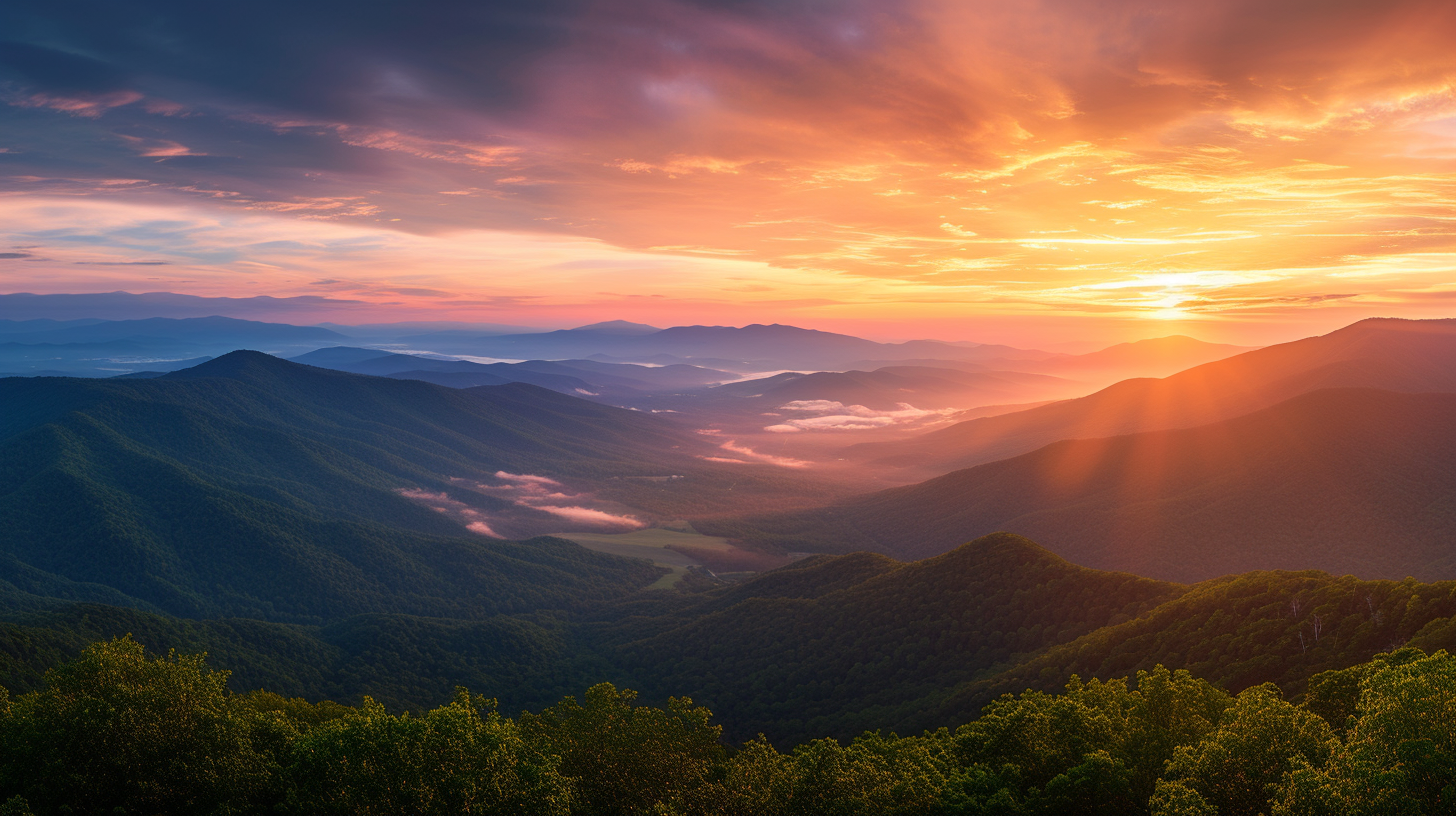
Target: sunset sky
1024,172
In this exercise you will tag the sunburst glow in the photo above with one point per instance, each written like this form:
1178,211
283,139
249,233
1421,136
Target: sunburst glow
890,167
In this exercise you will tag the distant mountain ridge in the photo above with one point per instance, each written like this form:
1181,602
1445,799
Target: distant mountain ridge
1397,355
1343,480
784,346
104,348
619,327
256,487
585,377
888,387
1159,356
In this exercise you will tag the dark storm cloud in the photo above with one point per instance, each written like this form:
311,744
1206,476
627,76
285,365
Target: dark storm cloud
321,57
272,105
243,104
440,68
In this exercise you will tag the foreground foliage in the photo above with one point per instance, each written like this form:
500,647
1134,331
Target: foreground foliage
119,731
827,647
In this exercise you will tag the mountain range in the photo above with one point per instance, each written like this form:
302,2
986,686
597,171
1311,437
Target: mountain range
830,646
1357,481
894,386
585,377
253,486
1156,357
97,348
1396,355
334,534
764,347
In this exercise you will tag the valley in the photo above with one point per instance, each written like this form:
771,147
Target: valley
360,522
727,408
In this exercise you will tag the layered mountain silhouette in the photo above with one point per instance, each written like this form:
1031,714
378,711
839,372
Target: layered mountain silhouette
104,348
875,631
1392,354
892,386
770,346
253,486
830,646
1357,481
308,525
584,377
1159,356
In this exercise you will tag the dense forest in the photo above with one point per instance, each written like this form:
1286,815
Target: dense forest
829,647
251,509
119,731
254,487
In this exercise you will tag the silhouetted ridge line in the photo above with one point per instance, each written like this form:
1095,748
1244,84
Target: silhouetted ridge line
1344,480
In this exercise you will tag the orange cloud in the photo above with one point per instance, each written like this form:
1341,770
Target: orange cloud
934,166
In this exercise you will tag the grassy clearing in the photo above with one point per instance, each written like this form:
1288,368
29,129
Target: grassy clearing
652,544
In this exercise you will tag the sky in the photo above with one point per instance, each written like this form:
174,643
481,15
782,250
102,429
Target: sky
1030,172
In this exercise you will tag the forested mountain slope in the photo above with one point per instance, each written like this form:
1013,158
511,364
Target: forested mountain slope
1240,631
838,660
1397,355
829,647
1343,480
253,486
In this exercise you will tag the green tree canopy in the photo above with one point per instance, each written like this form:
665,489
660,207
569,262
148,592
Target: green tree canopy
461,758
117,730
627,757
1400,757
1237,767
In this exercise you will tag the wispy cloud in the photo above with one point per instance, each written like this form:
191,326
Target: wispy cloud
831,415
469,517
550,496
890,162
732,446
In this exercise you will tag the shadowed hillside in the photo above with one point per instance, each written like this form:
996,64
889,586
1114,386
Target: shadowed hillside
1397,355
872,634
254,486
1344,480
830,646
1261,627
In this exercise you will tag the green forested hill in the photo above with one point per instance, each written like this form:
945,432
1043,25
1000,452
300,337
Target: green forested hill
250,486
249,508
1344,480
828,647
916,645
404,661
837,661
1240,631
